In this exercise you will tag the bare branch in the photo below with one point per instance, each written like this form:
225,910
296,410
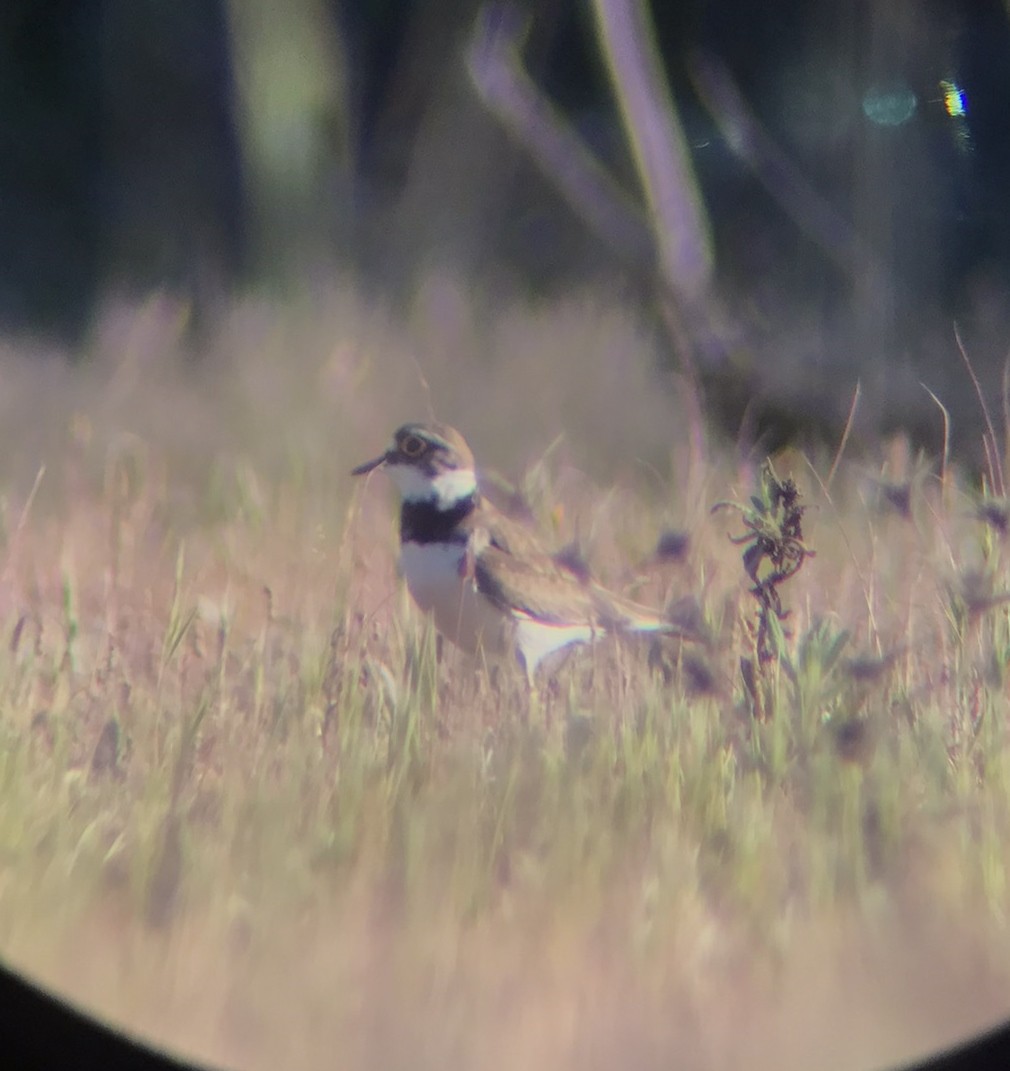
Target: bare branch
677,214
495,67
776,172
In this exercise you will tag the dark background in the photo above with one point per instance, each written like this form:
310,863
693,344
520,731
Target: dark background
206,147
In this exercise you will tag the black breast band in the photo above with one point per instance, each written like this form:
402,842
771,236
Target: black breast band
427,522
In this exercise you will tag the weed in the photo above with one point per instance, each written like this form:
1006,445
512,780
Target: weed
774,552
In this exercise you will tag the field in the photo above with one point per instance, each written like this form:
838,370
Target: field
251,811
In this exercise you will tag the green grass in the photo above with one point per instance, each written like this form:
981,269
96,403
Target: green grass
250,811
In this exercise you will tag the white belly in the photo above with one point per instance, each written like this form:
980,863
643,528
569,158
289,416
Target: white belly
436,578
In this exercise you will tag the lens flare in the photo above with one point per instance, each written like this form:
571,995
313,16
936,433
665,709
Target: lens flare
954,99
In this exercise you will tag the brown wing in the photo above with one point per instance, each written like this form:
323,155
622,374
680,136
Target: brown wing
535,586
508,535
515,571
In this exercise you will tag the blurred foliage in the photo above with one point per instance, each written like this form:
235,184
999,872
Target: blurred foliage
201,146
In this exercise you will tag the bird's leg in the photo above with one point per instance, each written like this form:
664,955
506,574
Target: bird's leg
537,707
530,696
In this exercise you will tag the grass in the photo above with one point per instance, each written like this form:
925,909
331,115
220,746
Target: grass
252,812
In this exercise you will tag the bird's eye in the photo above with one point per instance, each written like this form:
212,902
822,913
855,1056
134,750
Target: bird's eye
412,446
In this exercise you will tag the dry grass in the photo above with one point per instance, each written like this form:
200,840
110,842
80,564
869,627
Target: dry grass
249,813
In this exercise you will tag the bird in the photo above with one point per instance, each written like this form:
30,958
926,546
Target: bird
487,580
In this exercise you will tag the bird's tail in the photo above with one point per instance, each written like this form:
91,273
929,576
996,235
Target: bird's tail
618,614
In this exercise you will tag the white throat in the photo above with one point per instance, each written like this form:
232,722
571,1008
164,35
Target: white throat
445,489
